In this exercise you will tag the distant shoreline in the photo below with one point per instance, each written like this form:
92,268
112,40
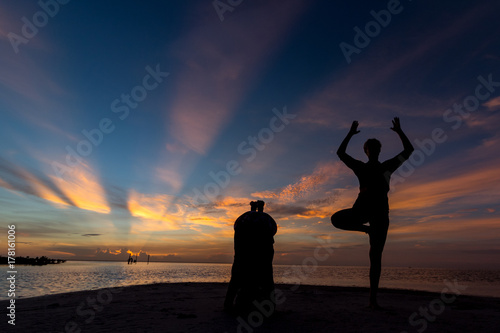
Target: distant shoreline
319,264
27,261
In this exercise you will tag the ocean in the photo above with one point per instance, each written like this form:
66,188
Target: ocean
71,276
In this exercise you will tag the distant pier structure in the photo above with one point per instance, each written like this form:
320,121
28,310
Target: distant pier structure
131,259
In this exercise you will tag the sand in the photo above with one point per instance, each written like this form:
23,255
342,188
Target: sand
197,307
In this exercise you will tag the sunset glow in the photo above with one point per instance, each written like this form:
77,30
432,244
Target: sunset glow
146,129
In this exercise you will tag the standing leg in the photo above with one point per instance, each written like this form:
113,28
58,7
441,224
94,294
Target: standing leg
378,236
234,286
269,279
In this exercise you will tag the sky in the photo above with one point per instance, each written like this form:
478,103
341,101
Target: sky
146,128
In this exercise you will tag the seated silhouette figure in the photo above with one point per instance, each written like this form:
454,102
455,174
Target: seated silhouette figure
372,204
252,270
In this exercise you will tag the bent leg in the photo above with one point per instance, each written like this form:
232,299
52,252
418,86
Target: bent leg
349,219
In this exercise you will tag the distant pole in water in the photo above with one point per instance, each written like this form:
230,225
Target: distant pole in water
148,259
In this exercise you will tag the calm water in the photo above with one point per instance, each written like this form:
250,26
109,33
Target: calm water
75,276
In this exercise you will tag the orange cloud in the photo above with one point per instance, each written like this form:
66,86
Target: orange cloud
61,253
133,254
451,229
79,188
476,186
156,212
82,187
43,191
306,185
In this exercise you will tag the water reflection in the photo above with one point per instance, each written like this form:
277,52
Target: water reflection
75,276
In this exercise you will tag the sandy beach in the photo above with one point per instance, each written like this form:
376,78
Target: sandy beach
197,307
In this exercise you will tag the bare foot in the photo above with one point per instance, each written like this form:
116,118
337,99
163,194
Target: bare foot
367,229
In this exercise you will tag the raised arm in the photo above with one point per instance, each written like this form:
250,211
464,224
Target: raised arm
408,147
343,146
348,160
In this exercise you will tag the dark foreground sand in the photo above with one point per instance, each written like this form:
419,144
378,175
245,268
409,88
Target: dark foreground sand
197,307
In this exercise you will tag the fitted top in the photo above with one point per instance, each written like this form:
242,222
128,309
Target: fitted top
374,177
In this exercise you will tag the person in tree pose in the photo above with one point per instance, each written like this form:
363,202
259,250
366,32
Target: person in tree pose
372,204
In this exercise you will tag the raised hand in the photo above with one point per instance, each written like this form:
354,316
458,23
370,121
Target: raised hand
396,126
354,128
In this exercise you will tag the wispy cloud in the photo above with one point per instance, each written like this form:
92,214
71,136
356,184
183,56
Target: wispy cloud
220,62
84,188
155,212
378,85
493,104
81,188
466,186
453,229
305,186
170,177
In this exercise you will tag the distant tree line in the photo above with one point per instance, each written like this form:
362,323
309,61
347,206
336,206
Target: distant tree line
37,261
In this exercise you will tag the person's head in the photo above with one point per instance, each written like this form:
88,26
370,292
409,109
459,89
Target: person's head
260,205
372,148
253,206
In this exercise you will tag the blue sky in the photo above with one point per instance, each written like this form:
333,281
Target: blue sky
184,95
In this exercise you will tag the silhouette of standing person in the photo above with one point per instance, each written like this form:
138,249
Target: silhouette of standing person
372,204
264,241
241,256
252,271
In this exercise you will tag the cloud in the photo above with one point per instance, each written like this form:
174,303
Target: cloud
80,188
219,214
176,148
91,235
83,187
220,63
17,178
156,212
392,76
30,92
61,253
108,251
305,186
116,196
452,229
170,177
493,104
289,210
466,187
